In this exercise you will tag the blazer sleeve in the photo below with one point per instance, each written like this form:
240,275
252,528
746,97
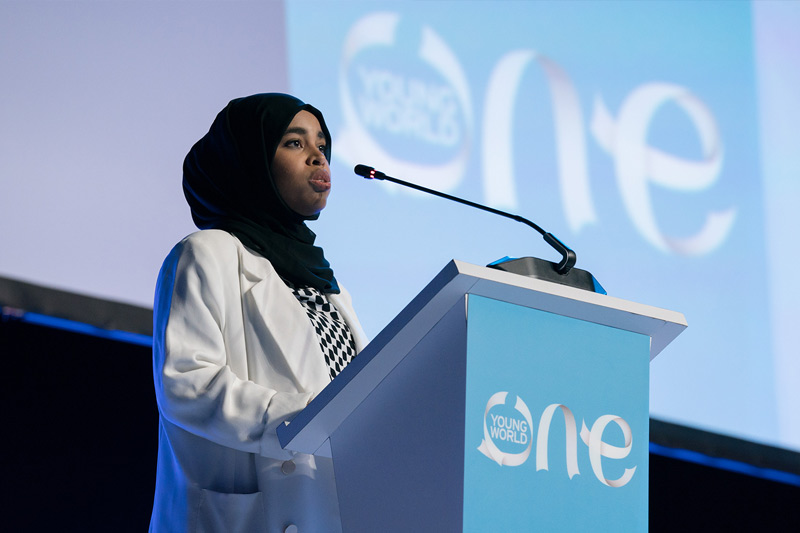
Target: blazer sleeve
195,387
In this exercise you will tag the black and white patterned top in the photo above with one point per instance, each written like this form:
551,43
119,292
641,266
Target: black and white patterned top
334,334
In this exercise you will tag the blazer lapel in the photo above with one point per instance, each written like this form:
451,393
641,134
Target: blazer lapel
282,345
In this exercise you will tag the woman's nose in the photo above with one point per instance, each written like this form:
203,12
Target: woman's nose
317,157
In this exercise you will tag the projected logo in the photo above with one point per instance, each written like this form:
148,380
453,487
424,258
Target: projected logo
418,98
426,104
508,438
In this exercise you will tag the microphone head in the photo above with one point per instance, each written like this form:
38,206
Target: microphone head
368,172
363,170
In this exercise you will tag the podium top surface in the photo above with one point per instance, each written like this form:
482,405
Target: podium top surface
309,431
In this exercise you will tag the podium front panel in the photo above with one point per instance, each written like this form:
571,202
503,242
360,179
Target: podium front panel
556,422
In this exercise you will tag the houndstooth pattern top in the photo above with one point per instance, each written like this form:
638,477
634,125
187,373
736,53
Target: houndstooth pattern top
334,335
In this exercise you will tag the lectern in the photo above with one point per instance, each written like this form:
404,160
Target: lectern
494,402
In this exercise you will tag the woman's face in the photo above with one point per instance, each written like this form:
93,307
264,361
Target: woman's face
299,168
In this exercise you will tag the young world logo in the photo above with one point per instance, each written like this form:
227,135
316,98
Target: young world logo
507,431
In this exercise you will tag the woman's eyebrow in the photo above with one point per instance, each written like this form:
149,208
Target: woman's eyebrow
302,131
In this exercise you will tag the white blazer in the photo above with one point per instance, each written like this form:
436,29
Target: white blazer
234,355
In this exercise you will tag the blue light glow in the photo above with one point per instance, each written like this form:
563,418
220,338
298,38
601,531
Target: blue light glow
87,329
725,464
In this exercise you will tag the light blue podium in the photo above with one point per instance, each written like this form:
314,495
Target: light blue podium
494,402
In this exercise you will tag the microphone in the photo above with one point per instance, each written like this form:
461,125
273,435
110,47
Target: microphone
528,266
369,172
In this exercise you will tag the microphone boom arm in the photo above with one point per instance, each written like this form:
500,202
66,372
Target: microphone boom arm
568,256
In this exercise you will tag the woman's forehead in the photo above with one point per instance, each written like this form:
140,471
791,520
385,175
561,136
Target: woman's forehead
304,123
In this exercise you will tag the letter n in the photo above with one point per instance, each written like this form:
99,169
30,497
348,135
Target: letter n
571,437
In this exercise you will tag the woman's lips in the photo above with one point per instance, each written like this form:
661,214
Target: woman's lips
320,181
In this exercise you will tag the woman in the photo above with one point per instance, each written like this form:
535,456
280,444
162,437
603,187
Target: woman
242,315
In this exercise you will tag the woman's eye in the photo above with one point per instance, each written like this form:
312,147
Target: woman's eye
293,143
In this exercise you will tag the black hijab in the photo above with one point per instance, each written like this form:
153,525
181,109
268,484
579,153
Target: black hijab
229,186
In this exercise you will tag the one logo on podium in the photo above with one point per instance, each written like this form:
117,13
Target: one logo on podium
508,438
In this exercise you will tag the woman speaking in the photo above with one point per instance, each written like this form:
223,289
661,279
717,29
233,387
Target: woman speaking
249,325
